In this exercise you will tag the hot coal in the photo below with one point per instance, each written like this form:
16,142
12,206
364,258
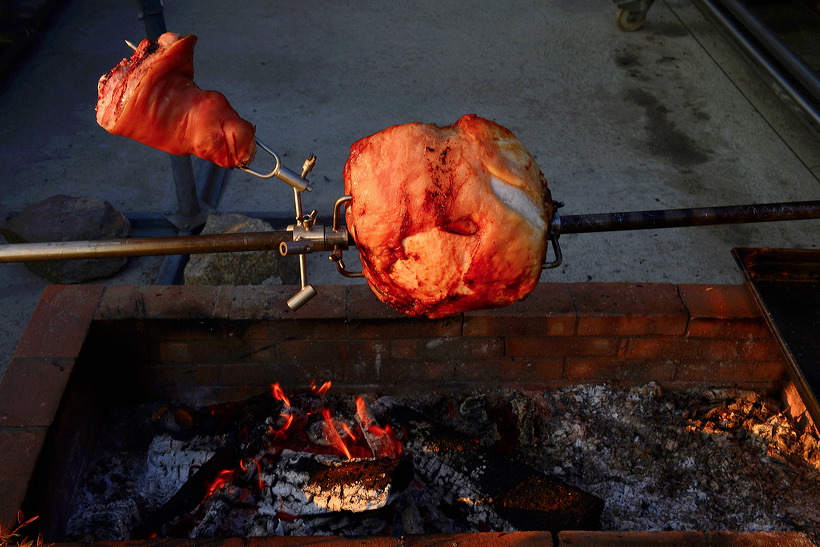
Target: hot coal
481,461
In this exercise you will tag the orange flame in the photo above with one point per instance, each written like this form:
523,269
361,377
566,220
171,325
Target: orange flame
281,433
361,410
278,394
333,435
321,390
392,444
258,465
383,441
348,431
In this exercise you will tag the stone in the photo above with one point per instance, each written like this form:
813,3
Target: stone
240,268
66,218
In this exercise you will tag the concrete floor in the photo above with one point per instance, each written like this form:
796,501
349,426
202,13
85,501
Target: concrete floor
667,117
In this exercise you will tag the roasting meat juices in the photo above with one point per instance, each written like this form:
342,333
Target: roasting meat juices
447,219
152,98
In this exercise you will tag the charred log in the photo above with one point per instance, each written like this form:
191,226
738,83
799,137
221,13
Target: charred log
310,484
247,425
191,494
216,511
494,486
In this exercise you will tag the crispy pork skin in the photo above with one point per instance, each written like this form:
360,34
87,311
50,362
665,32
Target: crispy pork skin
152,98
447,219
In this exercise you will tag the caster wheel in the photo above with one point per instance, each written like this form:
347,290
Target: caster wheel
629,22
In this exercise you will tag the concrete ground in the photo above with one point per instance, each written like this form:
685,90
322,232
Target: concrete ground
667,117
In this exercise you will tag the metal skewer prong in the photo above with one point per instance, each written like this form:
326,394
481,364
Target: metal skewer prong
280,171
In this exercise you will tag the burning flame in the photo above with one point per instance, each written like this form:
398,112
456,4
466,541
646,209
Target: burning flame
383,440
368,439
280,434
332,434
321,390
259,482
278,394
372,440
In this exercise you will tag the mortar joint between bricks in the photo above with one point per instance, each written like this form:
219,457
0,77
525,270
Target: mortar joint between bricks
347,304
688,311
575,307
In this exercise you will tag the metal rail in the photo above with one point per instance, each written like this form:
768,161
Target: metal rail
777,60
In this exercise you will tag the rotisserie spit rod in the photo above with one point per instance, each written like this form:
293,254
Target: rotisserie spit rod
261,241
145,246
679,218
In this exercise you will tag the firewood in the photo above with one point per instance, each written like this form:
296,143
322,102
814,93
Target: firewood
492,488
246,436
310,484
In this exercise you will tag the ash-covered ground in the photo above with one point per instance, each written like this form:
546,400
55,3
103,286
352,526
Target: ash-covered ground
714,459
719,459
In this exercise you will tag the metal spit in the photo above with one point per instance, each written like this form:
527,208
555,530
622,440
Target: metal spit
307,235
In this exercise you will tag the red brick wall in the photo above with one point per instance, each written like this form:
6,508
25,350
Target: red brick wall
240,339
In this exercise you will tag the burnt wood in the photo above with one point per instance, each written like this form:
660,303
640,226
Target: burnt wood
246,427
494,482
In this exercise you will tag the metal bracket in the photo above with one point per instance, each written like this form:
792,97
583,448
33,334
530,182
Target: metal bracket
337,228
303,227
556,248
554,232
299,183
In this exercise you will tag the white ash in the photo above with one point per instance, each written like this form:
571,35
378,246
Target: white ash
171,462
454,486
106,521
217,514
714,460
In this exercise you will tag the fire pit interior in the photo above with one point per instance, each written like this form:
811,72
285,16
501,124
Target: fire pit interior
211,411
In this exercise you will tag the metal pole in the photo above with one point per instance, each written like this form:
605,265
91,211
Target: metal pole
151,12
269,241
146,246
678,218
770,53
188,205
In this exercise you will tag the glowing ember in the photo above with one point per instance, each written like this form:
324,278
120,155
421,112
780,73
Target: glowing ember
223,478
279,434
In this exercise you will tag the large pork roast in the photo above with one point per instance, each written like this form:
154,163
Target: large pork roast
447,219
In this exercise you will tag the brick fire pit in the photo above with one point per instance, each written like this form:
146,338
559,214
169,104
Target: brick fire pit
89,346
